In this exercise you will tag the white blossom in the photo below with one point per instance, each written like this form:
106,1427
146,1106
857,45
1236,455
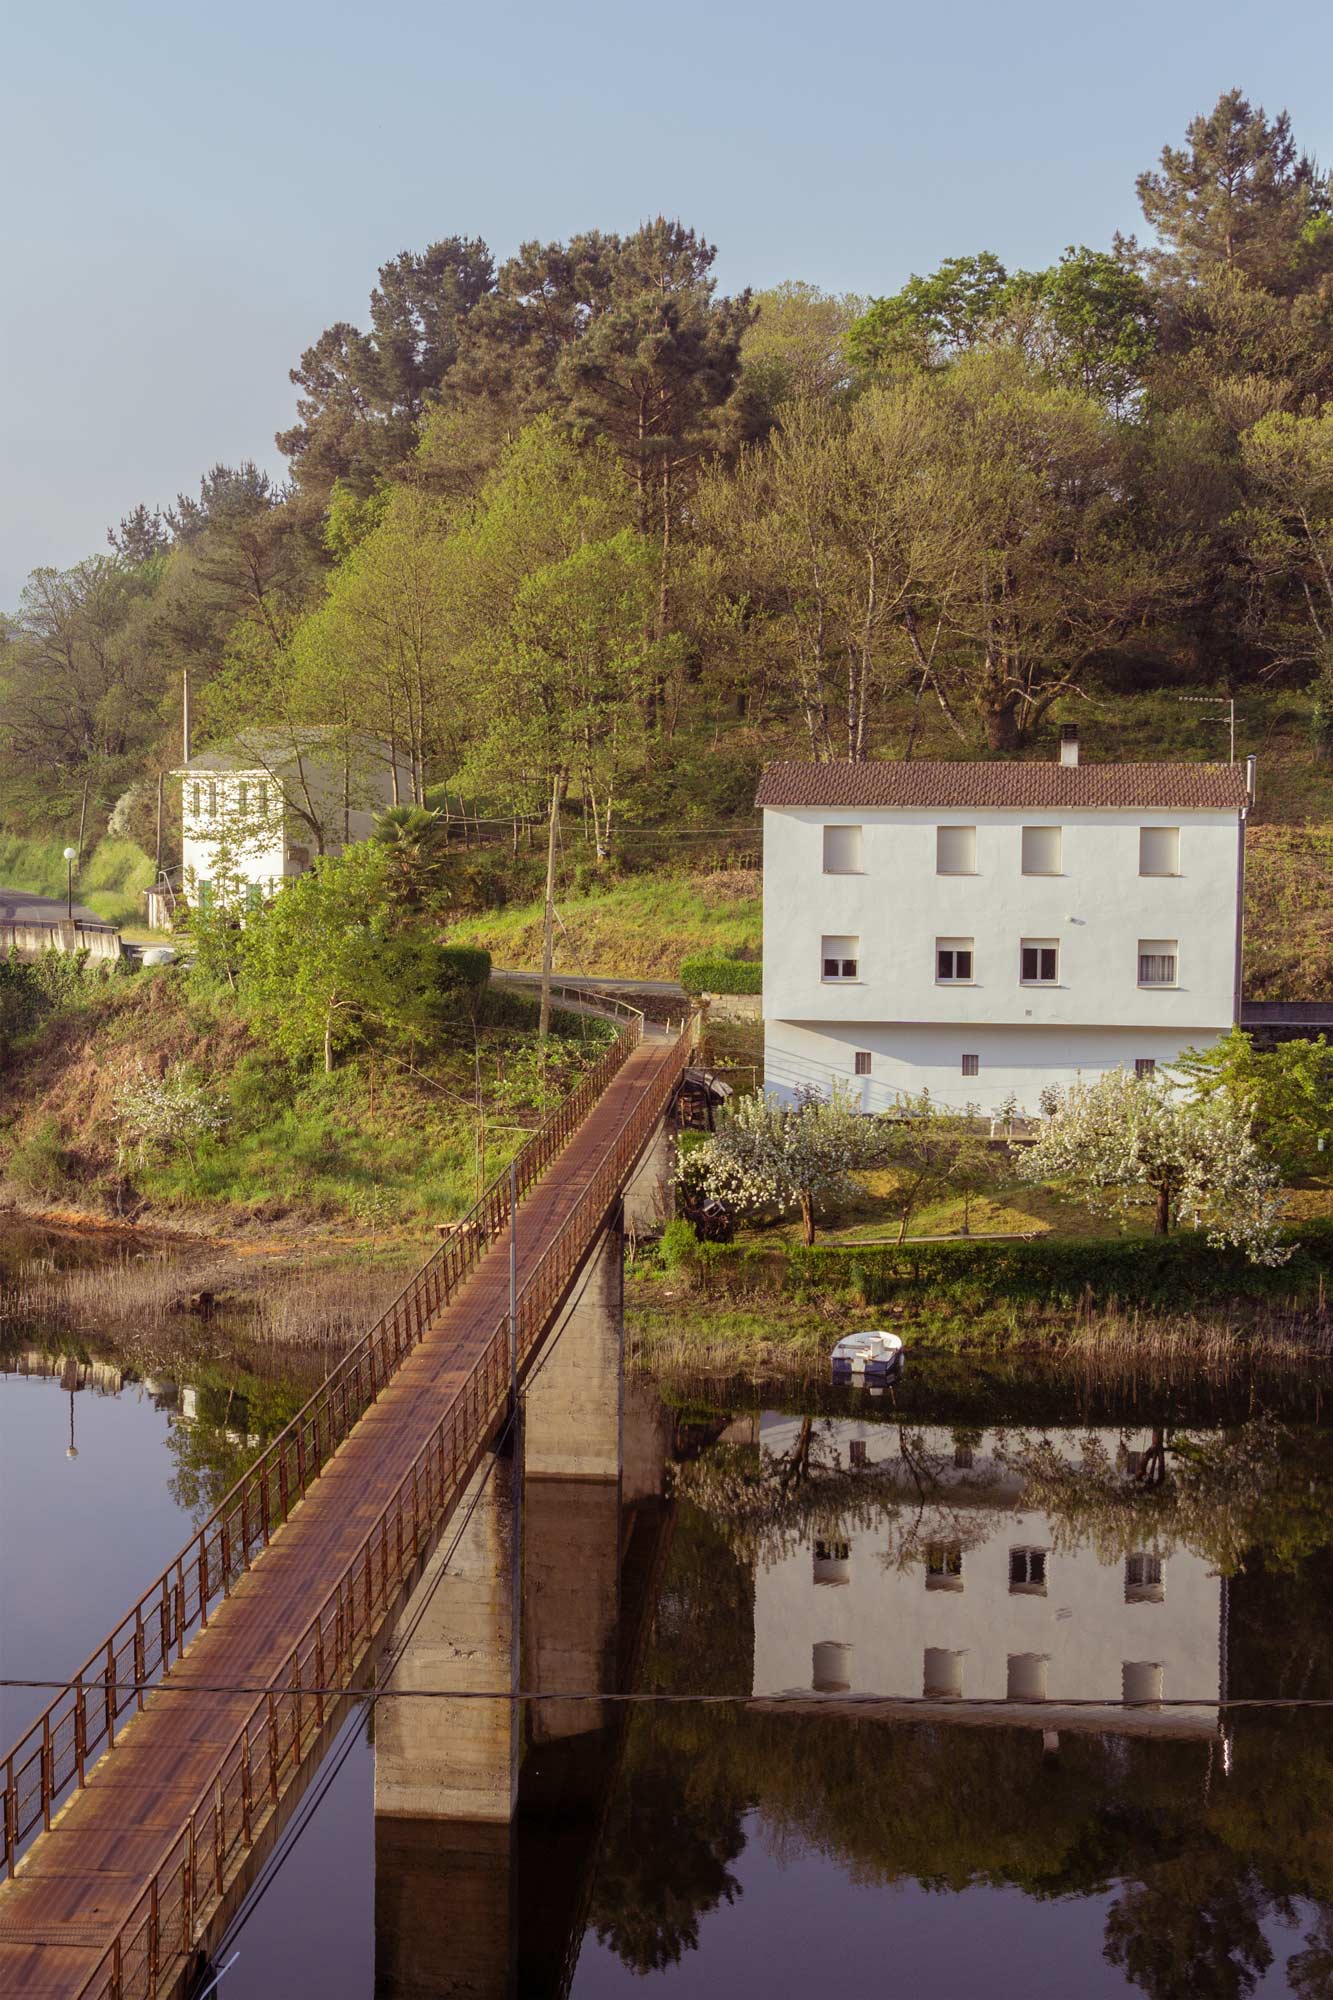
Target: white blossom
1125,1141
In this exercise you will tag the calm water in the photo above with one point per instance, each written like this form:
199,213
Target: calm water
983,1544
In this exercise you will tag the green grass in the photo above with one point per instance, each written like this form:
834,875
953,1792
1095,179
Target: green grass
110,882
640,928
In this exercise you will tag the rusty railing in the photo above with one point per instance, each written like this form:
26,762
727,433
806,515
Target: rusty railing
55,1753
265,1758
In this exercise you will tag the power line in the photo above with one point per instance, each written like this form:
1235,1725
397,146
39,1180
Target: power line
787,1697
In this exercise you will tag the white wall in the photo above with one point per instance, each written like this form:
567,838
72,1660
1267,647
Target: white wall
887,1616
1013,1061
265,848
1098,907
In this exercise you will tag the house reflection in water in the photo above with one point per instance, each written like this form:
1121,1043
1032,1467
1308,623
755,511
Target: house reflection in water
948,1594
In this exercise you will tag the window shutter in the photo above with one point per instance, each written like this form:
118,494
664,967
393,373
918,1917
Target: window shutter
1159,850
955,850
1041,850
842,850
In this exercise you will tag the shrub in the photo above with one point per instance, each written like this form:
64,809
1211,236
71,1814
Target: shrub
464,965
678,1248
40,1164
708,973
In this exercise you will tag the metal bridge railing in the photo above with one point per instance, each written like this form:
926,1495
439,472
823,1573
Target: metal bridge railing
56,1751
266,1756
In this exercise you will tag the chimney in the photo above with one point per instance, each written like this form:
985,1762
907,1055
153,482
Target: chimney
1249,778
1069,743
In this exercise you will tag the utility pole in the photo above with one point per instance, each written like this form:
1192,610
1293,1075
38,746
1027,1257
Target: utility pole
185,715
548,919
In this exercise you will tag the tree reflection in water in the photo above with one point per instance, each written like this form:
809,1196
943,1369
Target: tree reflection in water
1206,1847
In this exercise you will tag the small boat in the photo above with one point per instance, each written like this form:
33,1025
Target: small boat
868,1357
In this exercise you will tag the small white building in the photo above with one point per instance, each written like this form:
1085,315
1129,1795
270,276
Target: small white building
957,1592
256,816
985,930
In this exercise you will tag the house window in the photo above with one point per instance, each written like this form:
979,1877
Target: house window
963,1457
841,957
1144,1066
856,1455
1041,850
953,959
203,895
1140,1682
942,1676
862,1062
1143,1579
842,850
212,798
944,1566
196,800
971,1065
1026,1677
261,800
831,1667
1040,962
832,1564
1027,1572
1157,961
1159,850
242,794
955,850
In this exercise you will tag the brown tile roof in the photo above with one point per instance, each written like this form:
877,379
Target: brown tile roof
1149,787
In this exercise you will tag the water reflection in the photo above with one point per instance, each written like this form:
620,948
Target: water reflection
994,1820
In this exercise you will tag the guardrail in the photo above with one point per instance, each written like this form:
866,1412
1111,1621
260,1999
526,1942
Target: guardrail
54,1754
265,1758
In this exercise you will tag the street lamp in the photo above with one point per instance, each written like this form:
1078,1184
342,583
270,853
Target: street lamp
71,856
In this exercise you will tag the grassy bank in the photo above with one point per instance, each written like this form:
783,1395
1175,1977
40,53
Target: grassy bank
379,1150
737,1308
638,928
110,881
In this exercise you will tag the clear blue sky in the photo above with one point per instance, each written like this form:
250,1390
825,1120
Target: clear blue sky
193,194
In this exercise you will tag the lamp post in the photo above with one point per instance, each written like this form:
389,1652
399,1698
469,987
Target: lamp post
71,1449
71,856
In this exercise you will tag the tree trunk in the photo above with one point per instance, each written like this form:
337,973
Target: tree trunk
1002,731
807,1219
328,1040
1162,1218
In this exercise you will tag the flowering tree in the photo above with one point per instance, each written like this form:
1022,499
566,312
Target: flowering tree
1127,1141
766,1156
163,1112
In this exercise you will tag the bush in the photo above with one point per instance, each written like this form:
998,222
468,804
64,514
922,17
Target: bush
40,1164
678,1247
710,974
464,965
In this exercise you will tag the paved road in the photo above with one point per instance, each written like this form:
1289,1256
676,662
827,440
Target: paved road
20,906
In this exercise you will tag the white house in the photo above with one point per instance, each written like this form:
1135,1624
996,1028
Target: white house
984,930
957,1591
254,817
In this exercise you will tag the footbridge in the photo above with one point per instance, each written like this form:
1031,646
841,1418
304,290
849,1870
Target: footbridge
447,1512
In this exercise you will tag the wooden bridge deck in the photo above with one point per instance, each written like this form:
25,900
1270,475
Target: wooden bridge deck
83,1881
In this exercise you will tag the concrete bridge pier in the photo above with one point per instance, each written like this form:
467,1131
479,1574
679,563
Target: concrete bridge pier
573,1422
446,1769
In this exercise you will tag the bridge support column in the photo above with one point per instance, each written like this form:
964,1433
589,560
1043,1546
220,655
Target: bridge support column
650,1193
442,1758
446,1769
573,1427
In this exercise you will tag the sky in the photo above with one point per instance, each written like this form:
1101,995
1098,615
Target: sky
193,193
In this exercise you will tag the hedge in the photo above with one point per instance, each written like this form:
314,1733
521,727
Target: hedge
464,965
711,973
1161,1272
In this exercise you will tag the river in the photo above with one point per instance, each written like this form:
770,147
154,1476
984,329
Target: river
980,1659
